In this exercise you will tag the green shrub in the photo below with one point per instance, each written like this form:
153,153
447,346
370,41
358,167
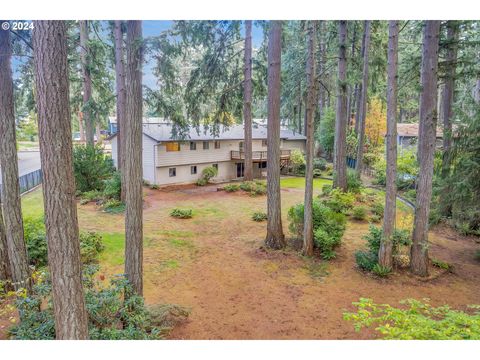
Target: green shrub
231,188
326,242
297,162
317,173
181,213
354,183
91,167
410,195
366,260
113,206
407,170
442,264
92,195
209,172
377,208
254,188
319,164
111,314
327,189
416,321
201,182
113,186
382,271
375,218
154,187
340,201
259,216
359,213
91,245
36,241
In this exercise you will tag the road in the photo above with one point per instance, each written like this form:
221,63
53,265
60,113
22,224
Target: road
28,161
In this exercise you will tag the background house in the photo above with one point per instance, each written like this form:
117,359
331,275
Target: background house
407,136
177,161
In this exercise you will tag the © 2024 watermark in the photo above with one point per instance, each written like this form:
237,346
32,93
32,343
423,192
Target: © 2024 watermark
17,25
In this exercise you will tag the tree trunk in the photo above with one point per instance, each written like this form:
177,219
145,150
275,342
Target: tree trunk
247,101
87,83
80,126
300,113
386,245
4,261
363,102
310,111
98,133
55,137
359,89
275,238
447,104
17,252
133,162
426,147
340,163
321,69
121,101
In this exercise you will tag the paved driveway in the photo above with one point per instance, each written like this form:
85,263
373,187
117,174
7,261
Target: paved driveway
28,161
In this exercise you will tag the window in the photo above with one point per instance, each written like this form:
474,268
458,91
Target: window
193,170
262,165
240,146
217,144
173,146
193,145
264,143
172,172
215,166
206,145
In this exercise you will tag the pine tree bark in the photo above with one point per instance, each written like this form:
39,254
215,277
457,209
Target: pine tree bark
310,111
359,88
87,84
447,105
55,137
4,261
80,126
363,102
247,101
321,69
385,254
121,101
275,238
426,147
16,249
133,162
340,162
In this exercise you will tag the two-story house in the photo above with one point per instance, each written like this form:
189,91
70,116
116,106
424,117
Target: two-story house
168,161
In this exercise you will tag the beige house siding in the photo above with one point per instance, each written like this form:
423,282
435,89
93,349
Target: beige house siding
226,171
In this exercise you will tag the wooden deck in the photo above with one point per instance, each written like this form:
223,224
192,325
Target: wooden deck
258,156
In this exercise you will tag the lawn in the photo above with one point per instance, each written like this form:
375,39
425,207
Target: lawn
215,264
299,183
27,145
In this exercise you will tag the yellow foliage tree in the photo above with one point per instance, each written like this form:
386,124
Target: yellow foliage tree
376,122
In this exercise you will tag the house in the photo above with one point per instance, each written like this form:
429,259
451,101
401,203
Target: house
407,136
169,161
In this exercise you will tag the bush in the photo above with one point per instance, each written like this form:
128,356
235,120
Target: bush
181,213
410,195
111,314
113,186
382,271
319,164
354,183
375,219
113,206
359,213
91,245
328,226
297,162
407,170
442,264
209,172
259,216
327,189
416,321
91,167
377,208
254,187
366,260
340,201
231,188
36,241
201,182
92,195
317,173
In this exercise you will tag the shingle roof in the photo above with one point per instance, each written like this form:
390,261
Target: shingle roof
411,130
163,132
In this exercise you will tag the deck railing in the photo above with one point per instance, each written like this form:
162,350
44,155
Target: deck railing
258,155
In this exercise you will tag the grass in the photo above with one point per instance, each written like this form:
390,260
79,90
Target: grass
32,204
114,252
299,183
27,145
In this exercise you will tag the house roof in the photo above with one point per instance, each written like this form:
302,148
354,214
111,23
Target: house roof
163,132
411,130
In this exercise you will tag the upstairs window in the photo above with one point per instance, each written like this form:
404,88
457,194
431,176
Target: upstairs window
206,145
193,145
172,172
173,146
217,144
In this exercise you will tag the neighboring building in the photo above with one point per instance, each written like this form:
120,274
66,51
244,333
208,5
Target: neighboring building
407,136
169,161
